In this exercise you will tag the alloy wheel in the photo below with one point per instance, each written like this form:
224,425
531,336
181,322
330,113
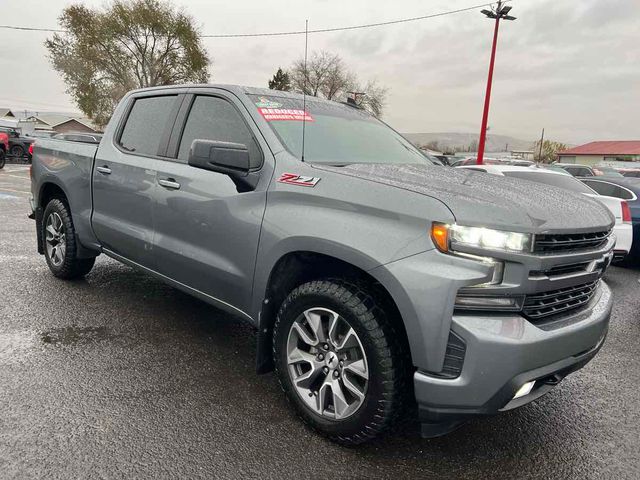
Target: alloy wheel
327,363
55,239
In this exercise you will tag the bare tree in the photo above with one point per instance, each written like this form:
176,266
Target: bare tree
324,74
374,97
328,77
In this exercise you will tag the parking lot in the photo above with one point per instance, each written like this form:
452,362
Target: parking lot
118,375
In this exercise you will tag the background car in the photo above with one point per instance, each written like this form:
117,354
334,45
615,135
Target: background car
4,146
627,189
79,137
18,145
491,161
42,134
578,170
629,172
619,207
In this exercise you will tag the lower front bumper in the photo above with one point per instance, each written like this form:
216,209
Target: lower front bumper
503,353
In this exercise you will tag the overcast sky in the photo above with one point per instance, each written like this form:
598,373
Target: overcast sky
571,66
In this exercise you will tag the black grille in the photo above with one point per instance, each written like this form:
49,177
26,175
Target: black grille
552,243
453,358
559,270
556,301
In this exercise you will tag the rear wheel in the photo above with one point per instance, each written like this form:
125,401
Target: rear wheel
339,360
2,158
17,151
60,247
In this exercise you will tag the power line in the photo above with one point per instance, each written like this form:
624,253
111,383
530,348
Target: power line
294,32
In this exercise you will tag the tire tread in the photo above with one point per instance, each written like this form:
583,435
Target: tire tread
394,362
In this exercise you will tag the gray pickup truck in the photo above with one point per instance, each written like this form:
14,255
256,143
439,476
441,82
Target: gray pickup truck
376,280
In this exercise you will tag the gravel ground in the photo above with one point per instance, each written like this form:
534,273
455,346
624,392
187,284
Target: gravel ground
120,376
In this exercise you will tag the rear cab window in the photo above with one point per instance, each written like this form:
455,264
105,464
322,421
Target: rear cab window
145,125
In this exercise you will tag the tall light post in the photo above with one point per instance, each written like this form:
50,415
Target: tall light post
500,12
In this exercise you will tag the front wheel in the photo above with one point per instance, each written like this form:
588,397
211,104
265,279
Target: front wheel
60,247
339,360
3,159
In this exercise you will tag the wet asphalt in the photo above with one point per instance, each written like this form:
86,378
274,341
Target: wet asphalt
120,376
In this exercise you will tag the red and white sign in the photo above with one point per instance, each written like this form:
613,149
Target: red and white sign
271,114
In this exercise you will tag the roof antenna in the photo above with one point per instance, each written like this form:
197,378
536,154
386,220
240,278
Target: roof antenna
304,88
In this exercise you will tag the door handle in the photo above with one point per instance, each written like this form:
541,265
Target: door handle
169,183
104,170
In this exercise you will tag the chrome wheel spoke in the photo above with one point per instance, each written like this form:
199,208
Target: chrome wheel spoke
55,239
322,399
352,388
304,335
314,319
297,356
350,339
333,327
340,404
307,379
51,232
358,367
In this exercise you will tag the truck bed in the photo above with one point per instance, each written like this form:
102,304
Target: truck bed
67,165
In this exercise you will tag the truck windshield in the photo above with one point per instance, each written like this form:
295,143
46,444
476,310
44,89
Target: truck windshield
335,134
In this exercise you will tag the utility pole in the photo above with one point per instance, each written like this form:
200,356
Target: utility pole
501,11
540,150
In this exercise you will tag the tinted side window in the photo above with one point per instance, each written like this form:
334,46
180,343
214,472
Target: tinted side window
610,190
579,171
145,124
213,118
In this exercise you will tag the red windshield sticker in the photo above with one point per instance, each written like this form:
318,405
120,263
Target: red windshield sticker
272,114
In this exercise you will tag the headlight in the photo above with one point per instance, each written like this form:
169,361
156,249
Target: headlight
447,237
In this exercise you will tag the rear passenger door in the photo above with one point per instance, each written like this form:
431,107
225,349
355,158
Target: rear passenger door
207,227
124,177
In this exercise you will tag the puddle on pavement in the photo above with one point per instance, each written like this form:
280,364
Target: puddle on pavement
75,335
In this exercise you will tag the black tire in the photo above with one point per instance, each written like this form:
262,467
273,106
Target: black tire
3,159
389,382
17,151
71,266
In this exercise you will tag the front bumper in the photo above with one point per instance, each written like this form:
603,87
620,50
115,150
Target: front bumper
505,351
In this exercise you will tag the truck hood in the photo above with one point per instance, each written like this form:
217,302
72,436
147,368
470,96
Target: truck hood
481,199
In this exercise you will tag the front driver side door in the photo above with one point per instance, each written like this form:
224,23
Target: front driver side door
207,228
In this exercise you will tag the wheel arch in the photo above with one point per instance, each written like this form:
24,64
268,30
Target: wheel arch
296,267
49,190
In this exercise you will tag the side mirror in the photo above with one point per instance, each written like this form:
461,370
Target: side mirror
223,157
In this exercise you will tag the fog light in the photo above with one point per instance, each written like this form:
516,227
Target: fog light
524,389
486,302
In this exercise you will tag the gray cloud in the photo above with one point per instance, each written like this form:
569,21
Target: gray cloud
572,67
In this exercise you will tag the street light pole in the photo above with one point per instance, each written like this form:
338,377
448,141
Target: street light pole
501,11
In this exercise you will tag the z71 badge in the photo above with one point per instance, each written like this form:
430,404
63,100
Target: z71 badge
299,180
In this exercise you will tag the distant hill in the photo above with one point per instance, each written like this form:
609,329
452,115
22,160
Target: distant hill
461,141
